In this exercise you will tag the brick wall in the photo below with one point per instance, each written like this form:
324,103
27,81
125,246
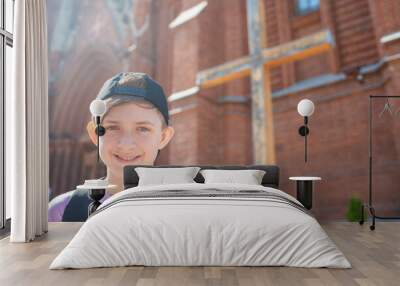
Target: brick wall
339,143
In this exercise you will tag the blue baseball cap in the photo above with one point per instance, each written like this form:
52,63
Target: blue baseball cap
150,91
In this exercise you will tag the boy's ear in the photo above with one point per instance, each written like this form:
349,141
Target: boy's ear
91,130
166,136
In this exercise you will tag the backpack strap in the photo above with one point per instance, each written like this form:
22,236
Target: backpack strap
77,208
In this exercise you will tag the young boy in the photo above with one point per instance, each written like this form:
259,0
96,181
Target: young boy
136,124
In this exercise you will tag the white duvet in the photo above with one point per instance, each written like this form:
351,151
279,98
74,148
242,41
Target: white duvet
182,231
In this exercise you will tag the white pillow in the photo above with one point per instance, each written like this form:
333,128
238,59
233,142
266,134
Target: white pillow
162,176
248,177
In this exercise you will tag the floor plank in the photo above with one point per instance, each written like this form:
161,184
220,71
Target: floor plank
374,255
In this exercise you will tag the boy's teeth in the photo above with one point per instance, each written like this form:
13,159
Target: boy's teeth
126,158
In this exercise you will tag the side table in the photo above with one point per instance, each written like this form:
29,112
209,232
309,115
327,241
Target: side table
304,189
96,191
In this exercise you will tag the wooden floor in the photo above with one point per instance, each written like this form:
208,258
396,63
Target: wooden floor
374,255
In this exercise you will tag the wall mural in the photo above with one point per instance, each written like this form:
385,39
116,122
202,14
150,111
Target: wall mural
232,82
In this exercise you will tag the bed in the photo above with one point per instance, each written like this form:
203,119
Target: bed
201,224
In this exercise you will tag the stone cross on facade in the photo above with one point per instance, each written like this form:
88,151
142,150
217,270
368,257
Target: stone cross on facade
257,66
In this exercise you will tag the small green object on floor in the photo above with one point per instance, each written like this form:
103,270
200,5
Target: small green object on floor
354,209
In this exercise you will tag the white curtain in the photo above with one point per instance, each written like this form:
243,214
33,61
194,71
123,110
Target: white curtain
27,146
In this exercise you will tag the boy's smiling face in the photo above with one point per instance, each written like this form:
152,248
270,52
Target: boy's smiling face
134,134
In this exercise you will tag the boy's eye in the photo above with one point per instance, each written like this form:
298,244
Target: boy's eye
143,129
111,128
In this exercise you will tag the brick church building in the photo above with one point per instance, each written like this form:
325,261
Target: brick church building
89,41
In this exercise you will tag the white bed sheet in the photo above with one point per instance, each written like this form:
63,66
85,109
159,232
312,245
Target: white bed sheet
200,231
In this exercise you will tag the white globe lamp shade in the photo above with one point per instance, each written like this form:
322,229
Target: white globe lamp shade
305,107
97,107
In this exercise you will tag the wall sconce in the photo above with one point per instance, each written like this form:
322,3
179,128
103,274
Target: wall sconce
97,109
305,108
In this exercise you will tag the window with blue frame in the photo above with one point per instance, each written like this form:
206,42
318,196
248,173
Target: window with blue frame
303,7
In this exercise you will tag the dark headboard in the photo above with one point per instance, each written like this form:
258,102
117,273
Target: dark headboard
270,179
